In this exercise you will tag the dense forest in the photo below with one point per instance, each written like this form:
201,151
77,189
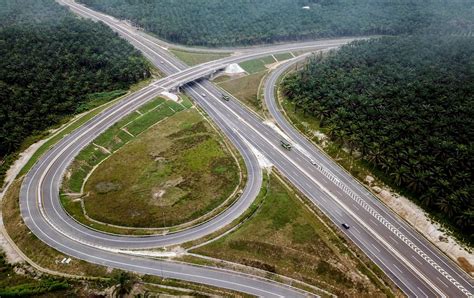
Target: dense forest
50,63
407,104
244,22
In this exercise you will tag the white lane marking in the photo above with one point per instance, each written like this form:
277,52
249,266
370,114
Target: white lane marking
357,230
393,239
219,63
185,233
397,268
57,156
126,265
374,222
393,229
365,205
353,182
422,292
297,182
419,262
442,282
355,207
376,248
354,196
124,30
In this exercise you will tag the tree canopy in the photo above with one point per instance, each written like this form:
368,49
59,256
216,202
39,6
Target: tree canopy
245,22
50,62
407,104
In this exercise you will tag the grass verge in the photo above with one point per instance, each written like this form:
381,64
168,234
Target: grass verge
109,99
34,248
246,89
13,284
283,56
30,282
195,58
284,237
256,204
257,65
359,168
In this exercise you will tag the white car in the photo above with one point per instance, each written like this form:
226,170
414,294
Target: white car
313,162
203,94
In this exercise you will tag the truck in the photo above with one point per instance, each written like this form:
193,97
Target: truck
285,144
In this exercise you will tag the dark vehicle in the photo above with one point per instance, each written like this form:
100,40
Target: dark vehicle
345,226
285,145
225,97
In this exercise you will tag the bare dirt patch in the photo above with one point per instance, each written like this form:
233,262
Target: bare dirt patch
106,187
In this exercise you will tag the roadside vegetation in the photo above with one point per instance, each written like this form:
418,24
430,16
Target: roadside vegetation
13,284
163,175
246,87
53,65
22,280
195,58
35,249
404,106
286,238
241,22
66,128
257,65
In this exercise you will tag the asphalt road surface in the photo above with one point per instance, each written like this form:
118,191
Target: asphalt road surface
445,277
414,265
44,215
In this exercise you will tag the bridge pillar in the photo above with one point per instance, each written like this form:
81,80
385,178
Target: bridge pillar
212,75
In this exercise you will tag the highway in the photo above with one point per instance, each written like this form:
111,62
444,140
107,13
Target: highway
414,265
432,263
46,218
43,181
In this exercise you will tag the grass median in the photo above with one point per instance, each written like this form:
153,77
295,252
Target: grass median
286,238
246,89
195,58
257,65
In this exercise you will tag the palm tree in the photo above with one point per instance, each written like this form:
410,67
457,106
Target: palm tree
124,283
466,219
429,196
400,175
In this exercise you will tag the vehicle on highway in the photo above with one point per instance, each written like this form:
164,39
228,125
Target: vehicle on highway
225,97
313,162
345,226
285,144
203,94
